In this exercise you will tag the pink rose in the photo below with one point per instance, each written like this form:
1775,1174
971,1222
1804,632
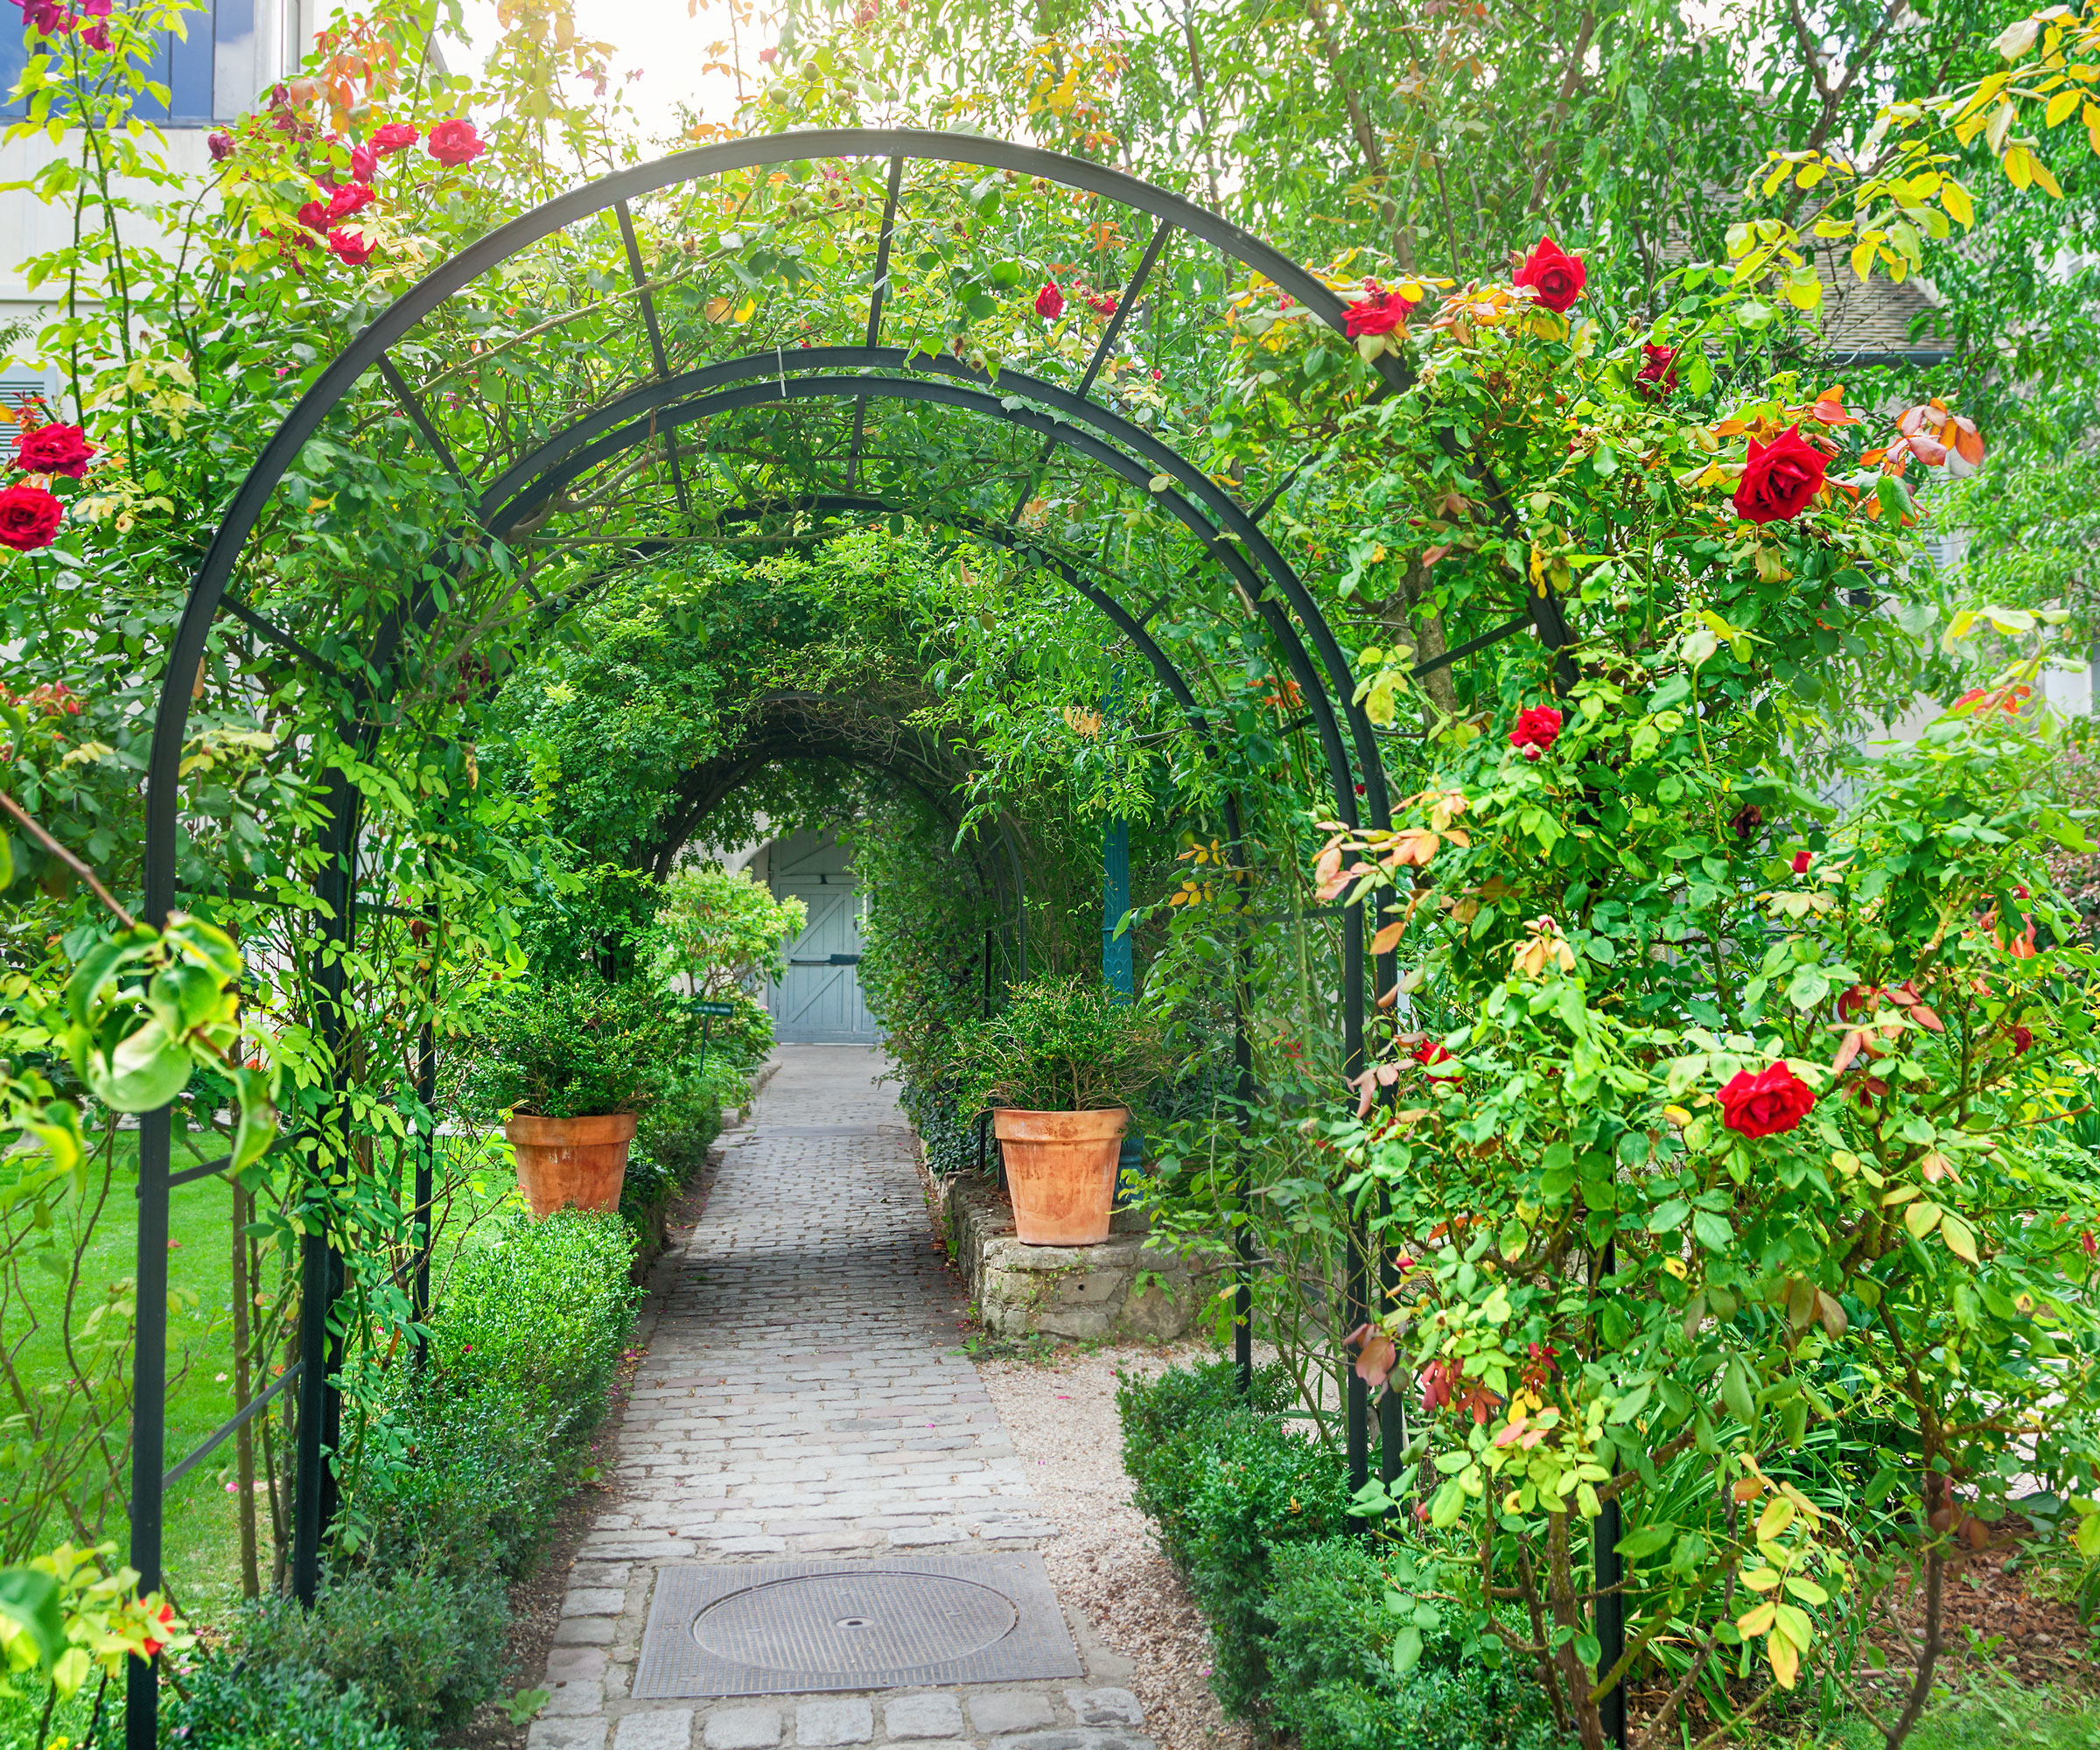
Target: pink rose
29,518
393,138
352,197
351,246
1556,277
455,143
53,450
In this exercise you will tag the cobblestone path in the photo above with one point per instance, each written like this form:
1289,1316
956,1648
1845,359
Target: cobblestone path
802,1395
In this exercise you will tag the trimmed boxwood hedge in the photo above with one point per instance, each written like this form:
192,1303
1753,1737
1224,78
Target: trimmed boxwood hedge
1256,1517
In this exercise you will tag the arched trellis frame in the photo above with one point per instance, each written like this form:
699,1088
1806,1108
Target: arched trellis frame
625,406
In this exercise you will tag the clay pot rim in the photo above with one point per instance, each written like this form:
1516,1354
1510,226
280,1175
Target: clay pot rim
1021,1124
597,1127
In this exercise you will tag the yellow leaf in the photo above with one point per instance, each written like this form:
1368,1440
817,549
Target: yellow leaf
1960,1241
1757,1620
2060,106
1761,1579
1778,1515
2047,179
1956,200
1863,258
1785,1657
2019,165
1922,1218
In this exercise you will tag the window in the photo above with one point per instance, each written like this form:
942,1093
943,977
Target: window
234,48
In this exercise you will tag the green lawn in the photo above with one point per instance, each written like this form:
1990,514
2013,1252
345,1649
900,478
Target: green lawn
202,1537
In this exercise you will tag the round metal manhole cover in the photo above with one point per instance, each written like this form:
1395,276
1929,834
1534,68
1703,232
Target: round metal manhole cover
855,1622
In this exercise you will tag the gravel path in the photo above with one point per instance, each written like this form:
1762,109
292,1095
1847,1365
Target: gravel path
1061,1416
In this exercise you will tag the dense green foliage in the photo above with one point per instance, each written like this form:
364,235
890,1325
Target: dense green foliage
574,1047
242,1703
1064,1045
1305,1613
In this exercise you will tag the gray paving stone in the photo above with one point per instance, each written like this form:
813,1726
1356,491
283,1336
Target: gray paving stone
566,1735
742,1728
660,1729
584,1631
583,1695
913,1538
922,1716
1074,1738
1014,1710
594,1601
847,1721
1106,1707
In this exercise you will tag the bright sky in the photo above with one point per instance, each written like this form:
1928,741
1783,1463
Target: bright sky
656,37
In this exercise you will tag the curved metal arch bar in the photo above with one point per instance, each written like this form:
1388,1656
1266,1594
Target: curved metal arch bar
656,407
763,392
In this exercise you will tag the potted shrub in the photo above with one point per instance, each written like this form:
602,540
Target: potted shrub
570,1063
1061,1066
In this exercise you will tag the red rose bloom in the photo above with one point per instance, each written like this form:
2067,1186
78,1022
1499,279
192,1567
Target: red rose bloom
1050,302
351,247
221,146
54,450
1658,373
393,138
1379,313
767,56
1780,478
1555,277
352,197
29,518
455,142
1772,1101
1538,728
1801,862
313,216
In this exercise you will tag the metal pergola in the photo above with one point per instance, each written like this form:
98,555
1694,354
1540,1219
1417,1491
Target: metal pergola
532,433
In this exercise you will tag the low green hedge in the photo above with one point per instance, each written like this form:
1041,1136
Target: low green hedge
459,1473
1302,1607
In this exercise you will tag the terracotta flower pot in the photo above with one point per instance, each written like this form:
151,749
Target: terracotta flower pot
564,1161
1061,1169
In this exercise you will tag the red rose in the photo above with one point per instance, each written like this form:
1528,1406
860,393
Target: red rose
455,142
1555,277
1538,728
1658,373
1801,862
352,197
1780,478
1101,303
351,246
1379,313
29,518
2022,1038
1765,1104
393,138
363,162
221,146
54,450
1050,302
313,216
767,56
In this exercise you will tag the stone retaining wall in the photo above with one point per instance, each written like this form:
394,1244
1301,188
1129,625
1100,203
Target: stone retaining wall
1122,1288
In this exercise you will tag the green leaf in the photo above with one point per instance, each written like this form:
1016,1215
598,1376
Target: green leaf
1737,1392
30,1601
1450,1502
1667,1217
145,1071
1645,1541
1407,1649
1712,1230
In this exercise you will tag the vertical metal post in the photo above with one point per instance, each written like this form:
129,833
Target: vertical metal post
426,1160
320,1265
149,1412
1357,1287
985,1119
1118,962
1243,1089
1611,1573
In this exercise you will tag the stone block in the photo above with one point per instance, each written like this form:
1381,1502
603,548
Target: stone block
584,1631
850,1721
594,1601
1074,1738
742,1728
922,1716
567,1734
660,1729
1106,1707
573,1700
1015,1710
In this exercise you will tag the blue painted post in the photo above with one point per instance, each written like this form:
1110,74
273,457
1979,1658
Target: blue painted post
1119,967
